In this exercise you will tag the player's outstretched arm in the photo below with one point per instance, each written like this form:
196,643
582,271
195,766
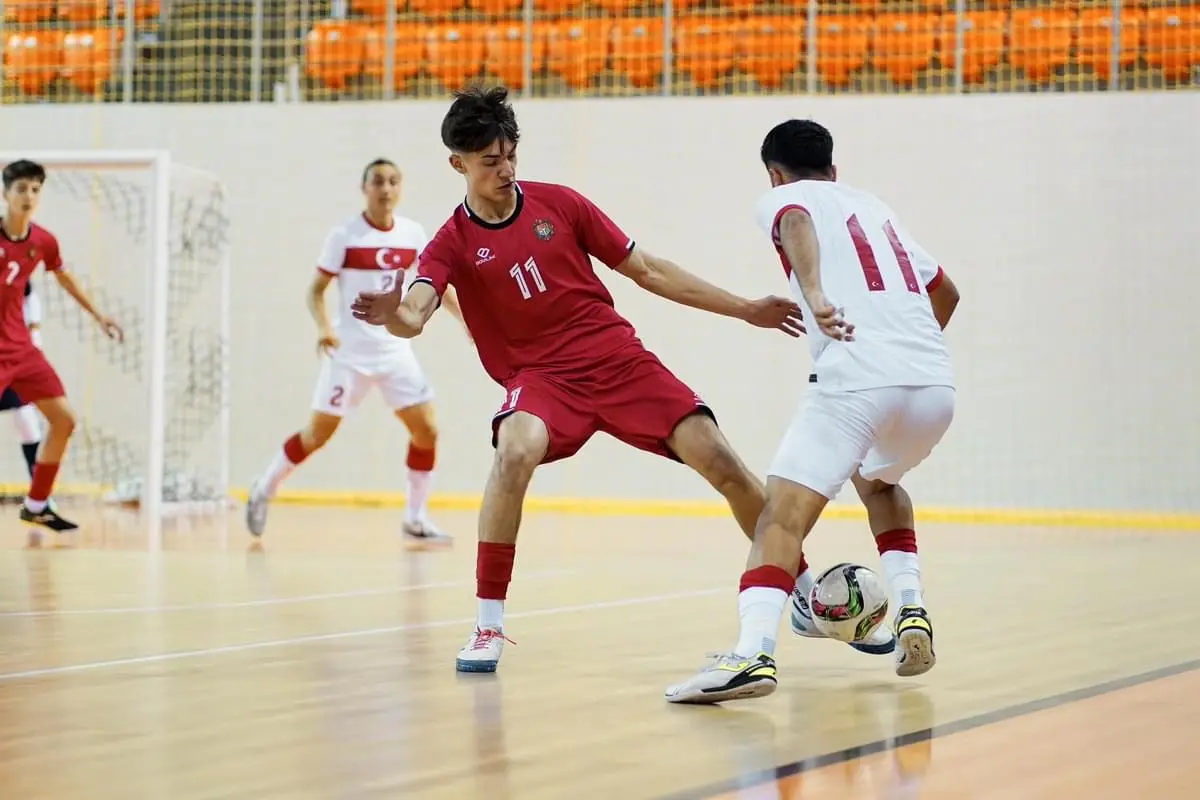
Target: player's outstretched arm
327,340
671,281
67,281
450,303
405,317
799,241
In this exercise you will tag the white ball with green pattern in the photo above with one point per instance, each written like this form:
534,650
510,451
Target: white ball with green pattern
848,602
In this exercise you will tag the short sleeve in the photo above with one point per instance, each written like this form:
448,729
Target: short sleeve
928,269
770,210
52,258
436,261
599,235
333,252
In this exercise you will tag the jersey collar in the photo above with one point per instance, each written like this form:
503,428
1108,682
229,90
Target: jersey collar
504,223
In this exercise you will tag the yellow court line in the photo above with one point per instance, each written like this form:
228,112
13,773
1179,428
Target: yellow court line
1067,518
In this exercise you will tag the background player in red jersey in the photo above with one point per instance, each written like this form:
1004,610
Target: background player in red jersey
546,329
25,416
25,246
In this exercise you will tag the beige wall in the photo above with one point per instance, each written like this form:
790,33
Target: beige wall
1067,221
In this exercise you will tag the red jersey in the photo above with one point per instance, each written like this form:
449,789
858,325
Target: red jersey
528,292
18,260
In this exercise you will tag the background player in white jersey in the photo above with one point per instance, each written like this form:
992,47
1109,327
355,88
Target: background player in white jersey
25,416
372,251
883,396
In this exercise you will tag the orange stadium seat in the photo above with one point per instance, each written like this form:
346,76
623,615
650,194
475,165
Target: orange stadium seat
638,50
771,48
28,10
1095,39
335,52
82,10
407,58
1173,40
577,50
1040,41
983,42
704,48
497,8
375,9
456,52
32,59
557,8
842,43
142,9
87,57
435,8
615,7
504,53
905,44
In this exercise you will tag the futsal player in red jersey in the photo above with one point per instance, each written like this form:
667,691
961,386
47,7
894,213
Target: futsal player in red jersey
545,327
25,246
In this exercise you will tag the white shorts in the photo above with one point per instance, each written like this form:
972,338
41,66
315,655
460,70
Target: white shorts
341,387
883,433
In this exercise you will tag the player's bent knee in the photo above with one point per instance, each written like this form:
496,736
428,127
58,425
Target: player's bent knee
60,417
792,506
320,430
521,444
421,424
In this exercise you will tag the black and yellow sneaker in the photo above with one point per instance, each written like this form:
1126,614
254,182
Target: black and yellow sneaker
48,518
728,677
914,642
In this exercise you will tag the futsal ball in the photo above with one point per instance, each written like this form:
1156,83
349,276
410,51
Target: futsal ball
848,602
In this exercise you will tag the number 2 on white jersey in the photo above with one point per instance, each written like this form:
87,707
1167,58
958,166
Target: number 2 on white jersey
518,272
866,257
14,269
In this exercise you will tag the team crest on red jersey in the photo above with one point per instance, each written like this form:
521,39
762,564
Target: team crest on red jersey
543,229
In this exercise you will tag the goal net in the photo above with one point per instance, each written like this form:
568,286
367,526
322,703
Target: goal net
148,240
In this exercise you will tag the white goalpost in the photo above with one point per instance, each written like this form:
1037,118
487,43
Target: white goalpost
149,241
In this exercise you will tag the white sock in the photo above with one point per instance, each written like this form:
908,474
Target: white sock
491,614
417,504
281,466
804,583
903,573
29,429
760,609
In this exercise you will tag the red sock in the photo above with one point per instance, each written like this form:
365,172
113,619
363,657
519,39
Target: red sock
493,570
293,449
768,576
901,539
43,482
421,460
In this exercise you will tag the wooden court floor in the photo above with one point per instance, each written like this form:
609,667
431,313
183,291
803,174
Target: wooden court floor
320,665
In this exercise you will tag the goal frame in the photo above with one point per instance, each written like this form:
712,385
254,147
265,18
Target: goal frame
158,163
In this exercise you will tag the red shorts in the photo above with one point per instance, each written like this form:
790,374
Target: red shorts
30,375
632,397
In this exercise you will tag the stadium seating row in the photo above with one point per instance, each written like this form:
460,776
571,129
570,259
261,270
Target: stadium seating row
27,11
769,48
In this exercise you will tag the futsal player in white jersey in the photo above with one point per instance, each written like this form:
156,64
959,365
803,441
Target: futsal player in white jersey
25,415
882,397
369,252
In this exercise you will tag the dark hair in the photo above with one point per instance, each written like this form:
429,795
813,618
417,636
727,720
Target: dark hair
802,147
477,118
379,162
22,169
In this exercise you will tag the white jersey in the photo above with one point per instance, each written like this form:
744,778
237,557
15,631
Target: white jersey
365,258
879,275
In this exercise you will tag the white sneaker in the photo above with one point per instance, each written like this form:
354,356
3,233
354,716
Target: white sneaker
881,641
256,510
482,651
914,637
423,532
728,677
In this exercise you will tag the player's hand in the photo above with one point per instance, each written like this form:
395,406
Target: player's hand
327,342
111,329
831,321
375,308
777,312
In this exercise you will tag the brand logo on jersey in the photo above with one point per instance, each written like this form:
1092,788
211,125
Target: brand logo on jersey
484,255
543,229
387,258
33,252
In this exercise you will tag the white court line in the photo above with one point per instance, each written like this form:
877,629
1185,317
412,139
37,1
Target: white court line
275,601
330,637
